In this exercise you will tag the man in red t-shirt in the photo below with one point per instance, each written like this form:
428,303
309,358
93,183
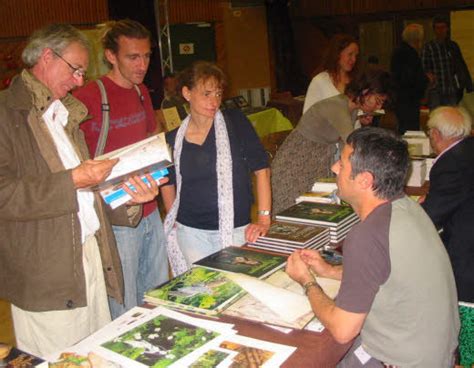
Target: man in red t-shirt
127,50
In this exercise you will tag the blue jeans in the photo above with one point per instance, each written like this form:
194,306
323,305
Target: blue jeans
198,243
144,260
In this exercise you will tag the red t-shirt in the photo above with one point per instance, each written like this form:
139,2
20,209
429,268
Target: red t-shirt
131,119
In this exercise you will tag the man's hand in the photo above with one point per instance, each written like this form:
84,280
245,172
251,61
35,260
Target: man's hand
143,193
92,172
317,264
422,199
297,269
253,231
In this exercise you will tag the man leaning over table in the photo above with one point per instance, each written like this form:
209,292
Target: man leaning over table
450,205
58,258
397,296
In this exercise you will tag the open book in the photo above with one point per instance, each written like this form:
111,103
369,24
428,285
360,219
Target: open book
149,156
278,300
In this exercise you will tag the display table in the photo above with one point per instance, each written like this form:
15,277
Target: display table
269,121
313,349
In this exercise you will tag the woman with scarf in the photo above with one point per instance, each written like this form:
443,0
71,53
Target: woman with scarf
215,153
312,147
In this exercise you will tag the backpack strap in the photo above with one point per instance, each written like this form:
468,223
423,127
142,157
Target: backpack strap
140,95
105,107
104,131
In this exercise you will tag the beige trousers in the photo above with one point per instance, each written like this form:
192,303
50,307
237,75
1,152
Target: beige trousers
42,333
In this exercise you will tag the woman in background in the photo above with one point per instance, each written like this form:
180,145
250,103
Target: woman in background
311,148
339,67
215,154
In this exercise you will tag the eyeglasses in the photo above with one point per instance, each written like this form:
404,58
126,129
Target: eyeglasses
76,72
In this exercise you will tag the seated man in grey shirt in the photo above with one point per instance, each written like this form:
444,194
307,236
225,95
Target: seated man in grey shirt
397,291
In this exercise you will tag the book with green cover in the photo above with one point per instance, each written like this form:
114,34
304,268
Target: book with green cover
249,262
317,213
199,290
285,232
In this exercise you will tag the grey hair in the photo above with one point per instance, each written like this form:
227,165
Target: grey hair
451,121
413,33
56,37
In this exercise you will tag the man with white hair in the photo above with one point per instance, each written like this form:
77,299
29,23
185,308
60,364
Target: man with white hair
58,258
410,79
450,205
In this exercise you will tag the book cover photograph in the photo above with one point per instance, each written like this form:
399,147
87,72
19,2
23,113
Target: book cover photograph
11,357
236,259
160,342
322,213
199,289
236,351
292,233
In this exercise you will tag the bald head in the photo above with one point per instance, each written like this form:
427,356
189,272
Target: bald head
447,125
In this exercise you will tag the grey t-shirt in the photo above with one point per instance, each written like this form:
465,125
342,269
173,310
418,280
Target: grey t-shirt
366,261
396,270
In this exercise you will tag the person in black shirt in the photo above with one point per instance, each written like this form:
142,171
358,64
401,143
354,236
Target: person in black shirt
209,196
409,77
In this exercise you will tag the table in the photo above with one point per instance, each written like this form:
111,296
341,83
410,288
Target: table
269,121
318,350
291,107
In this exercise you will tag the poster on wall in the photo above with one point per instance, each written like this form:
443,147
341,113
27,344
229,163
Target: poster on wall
186,48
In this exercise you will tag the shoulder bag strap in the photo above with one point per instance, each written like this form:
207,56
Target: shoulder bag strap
139,93
104,131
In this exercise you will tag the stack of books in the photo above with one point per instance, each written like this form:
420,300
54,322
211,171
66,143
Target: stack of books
286,237
325,185
416,173
320,197
241,260
418,142
339,219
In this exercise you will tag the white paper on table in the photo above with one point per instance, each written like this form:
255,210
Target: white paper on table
286,304
280,352
130,320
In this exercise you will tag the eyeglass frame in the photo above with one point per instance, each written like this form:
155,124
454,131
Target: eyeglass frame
76,72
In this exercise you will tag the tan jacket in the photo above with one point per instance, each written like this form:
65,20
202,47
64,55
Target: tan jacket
40,247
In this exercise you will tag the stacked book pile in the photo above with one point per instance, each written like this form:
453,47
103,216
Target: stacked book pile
339,219
416,173
286,237
418,143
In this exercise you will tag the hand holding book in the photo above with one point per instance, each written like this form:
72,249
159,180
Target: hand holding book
142,190
92,172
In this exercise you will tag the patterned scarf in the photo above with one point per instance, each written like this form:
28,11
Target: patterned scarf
225,192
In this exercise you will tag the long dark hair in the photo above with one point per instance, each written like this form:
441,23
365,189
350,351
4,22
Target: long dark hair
337,44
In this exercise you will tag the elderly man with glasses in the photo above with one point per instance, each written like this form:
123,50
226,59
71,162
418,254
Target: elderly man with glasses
58,258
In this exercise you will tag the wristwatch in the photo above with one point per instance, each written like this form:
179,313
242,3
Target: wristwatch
263,212
308,285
